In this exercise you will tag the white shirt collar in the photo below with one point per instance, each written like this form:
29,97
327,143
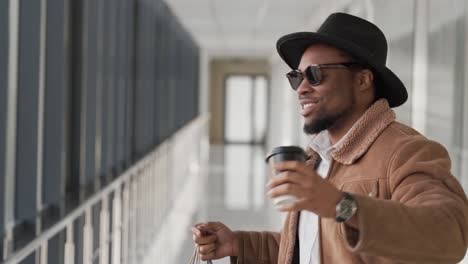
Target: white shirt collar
321,144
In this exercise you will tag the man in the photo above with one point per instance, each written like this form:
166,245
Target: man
381,193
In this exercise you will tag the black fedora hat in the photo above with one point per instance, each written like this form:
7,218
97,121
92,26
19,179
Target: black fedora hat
360,39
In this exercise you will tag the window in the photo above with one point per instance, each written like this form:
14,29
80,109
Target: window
246,99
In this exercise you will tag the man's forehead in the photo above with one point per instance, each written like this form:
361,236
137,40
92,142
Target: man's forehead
322,52
325,50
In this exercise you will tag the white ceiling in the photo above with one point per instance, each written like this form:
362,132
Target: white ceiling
249,27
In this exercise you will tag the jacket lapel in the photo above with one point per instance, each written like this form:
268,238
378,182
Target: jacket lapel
364,132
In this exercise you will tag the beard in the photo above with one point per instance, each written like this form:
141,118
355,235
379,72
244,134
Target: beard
322,123
326,121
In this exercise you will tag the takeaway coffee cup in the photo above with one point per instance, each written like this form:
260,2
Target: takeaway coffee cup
285,153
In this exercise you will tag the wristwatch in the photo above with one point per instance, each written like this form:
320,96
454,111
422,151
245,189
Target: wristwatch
346,208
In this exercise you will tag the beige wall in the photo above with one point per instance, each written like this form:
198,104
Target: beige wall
219,69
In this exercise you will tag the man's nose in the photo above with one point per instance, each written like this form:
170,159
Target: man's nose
304,88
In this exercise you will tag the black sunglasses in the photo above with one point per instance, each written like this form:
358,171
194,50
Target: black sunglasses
313,73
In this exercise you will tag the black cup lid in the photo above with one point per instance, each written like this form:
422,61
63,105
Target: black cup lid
286,149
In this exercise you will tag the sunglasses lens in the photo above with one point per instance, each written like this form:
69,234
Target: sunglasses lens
295,79
313,75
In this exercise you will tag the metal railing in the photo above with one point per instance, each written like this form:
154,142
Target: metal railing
134,207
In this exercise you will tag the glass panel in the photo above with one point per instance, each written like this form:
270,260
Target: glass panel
445,77
3,103
400,37
259,174
27,123
56,115
237,169
238,124
260,106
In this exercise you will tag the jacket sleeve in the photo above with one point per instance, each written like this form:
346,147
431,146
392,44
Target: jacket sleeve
257,248
426,219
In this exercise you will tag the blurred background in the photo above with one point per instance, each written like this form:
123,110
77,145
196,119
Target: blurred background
124,122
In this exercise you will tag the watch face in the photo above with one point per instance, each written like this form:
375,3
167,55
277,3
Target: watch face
348,209
345,208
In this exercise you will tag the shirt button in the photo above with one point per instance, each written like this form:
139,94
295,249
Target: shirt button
371,194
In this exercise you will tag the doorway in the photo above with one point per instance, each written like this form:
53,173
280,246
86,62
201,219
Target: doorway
245,113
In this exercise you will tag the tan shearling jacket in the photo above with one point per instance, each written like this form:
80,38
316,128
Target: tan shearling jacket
410,208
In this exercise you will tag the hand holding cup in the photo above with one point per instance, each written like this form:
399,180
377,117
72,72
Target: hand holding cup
281,154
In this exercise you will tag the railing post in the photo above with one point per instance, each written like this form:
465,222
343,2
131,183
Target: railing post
141,212
116,226
69,246
134,218
88,237
126,222
149,199
149,205
104,232
11,126
154,184
142,189
43,254
8,243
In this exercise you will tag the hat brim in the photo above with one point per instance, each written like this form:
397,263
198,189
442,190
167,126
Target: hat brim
291,47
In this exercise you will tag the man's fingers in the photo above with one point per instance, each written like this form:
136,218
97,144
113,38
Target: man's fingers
205,239
288,165
202,238
203,229
213,225
196,231
284,177
285,189
201,232
209,227
207,249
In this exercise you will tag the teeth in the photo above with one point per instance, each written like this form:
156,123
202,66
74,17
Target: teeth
307,105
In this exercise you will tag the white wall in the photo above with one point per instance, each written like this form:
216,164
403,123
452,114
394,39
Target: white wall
285,125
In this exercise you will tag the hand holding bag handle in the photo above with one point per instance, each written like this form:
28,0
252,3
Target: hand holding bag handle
195,259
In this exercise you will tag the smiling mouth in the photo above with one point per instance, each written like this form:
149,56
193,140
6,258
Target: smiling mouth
306,106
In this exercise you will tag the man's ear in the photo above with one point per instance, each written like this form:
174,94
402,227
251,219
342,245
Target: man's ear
365,79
